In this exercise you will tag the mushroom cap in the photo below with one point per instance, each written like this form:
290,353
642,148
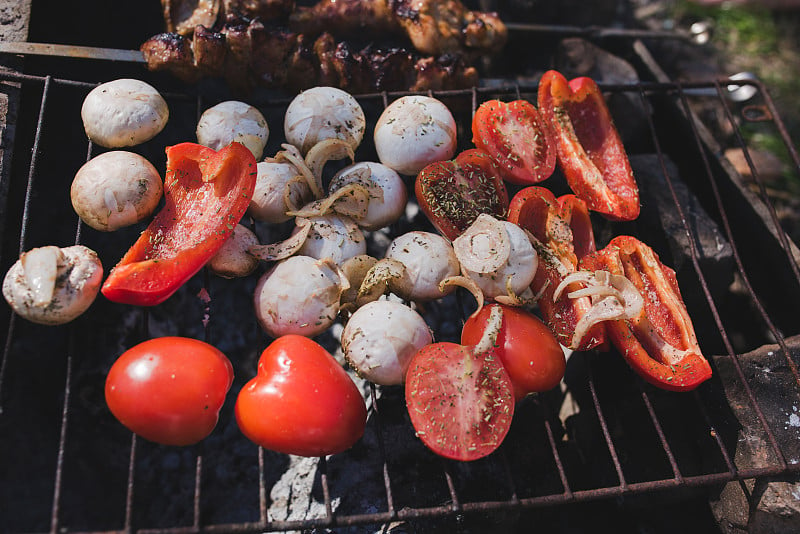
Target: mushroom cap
414,131
230,121
115,189
123,112
321,113
381,337
382,209
429,258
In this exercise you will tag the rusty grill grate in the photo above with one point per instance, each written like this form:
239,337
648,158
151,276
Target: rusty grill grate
67,466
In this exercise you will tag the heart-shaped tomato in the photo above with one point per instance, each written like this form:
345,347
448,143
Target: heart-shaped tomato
453,193
301,401
514,135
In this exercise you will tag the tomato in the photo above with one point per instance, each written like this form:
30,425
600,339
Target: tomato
453,193
169,389
514,135
528,349
460,398
301,401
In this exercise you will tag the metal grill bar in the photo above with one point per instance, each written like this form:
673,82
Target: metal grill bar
456,504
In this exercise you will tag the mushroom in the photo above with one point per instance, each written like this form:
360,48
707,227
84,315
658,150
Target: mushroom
299,295
231,121
414,131
115,189
335,237
380,338
124,112
428,259
51,285
279,189
387,192
233,260
321,113
499,257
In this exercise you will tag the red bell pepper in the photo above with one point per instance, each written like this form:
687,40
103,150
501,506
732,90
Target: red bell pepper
659,344
563,231
206,194
590,152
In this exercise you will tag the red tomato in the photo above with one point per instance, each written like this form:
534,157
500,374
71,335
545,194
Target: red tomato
528,349
453,193
170,389
460,401
514,136
301,401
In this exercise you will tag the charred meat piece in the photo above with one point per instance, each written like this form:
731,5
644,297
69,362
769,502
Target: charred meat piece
433,27
183,16
248,54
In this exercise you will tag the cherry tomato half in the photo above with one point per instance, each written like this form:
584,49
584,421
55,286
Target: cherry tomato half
169,389
515,137
301,401
528,349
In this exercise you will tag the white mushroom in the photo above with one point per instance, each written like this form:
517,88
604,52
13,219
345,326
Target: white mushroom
387,192
115,189
428,258
323,113
412,132
335,237
299,295
233,260
123,112
279,189
381,337
51,285
231,121
498,256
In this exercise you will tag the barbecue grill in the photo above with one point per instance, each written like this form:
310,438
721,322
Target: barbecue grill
604,447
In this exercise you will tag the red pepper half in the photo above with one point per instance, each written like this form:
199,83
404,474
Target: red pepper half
206,193
562,230
659,344
590,152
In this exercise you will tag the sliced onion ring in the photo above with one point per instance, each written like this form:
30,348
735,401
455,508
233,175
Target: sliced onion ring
40,266
286,248
467,283
484,247
291,154
351,201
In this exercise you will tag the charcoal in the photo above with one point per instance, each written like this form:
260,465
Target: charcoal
772,504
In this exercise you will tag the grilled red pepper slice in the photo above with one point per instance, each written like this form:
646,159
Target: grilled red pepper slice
514,135
659,344
453,193
590,152
551,222
206,193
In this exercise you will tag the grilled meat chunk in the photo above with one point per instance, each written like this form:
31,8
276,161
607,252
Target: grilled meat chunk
248,54
434,27
183,16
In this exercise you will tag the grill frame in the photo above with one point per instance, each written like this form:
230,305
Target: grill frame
456,506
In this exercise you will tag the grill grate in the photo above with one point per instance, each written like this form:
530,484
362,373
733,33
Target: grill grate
78,483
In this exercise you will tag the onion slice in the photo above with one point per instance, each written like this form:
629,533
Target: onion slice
614,297
379,279
41,270
286,248
484,247
467,283
291,154
351,201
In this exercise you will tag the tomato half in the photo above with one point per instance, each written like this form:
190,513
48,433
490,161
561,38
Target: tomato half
460,401
169,389
301,401
528,349
453,193
514,135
